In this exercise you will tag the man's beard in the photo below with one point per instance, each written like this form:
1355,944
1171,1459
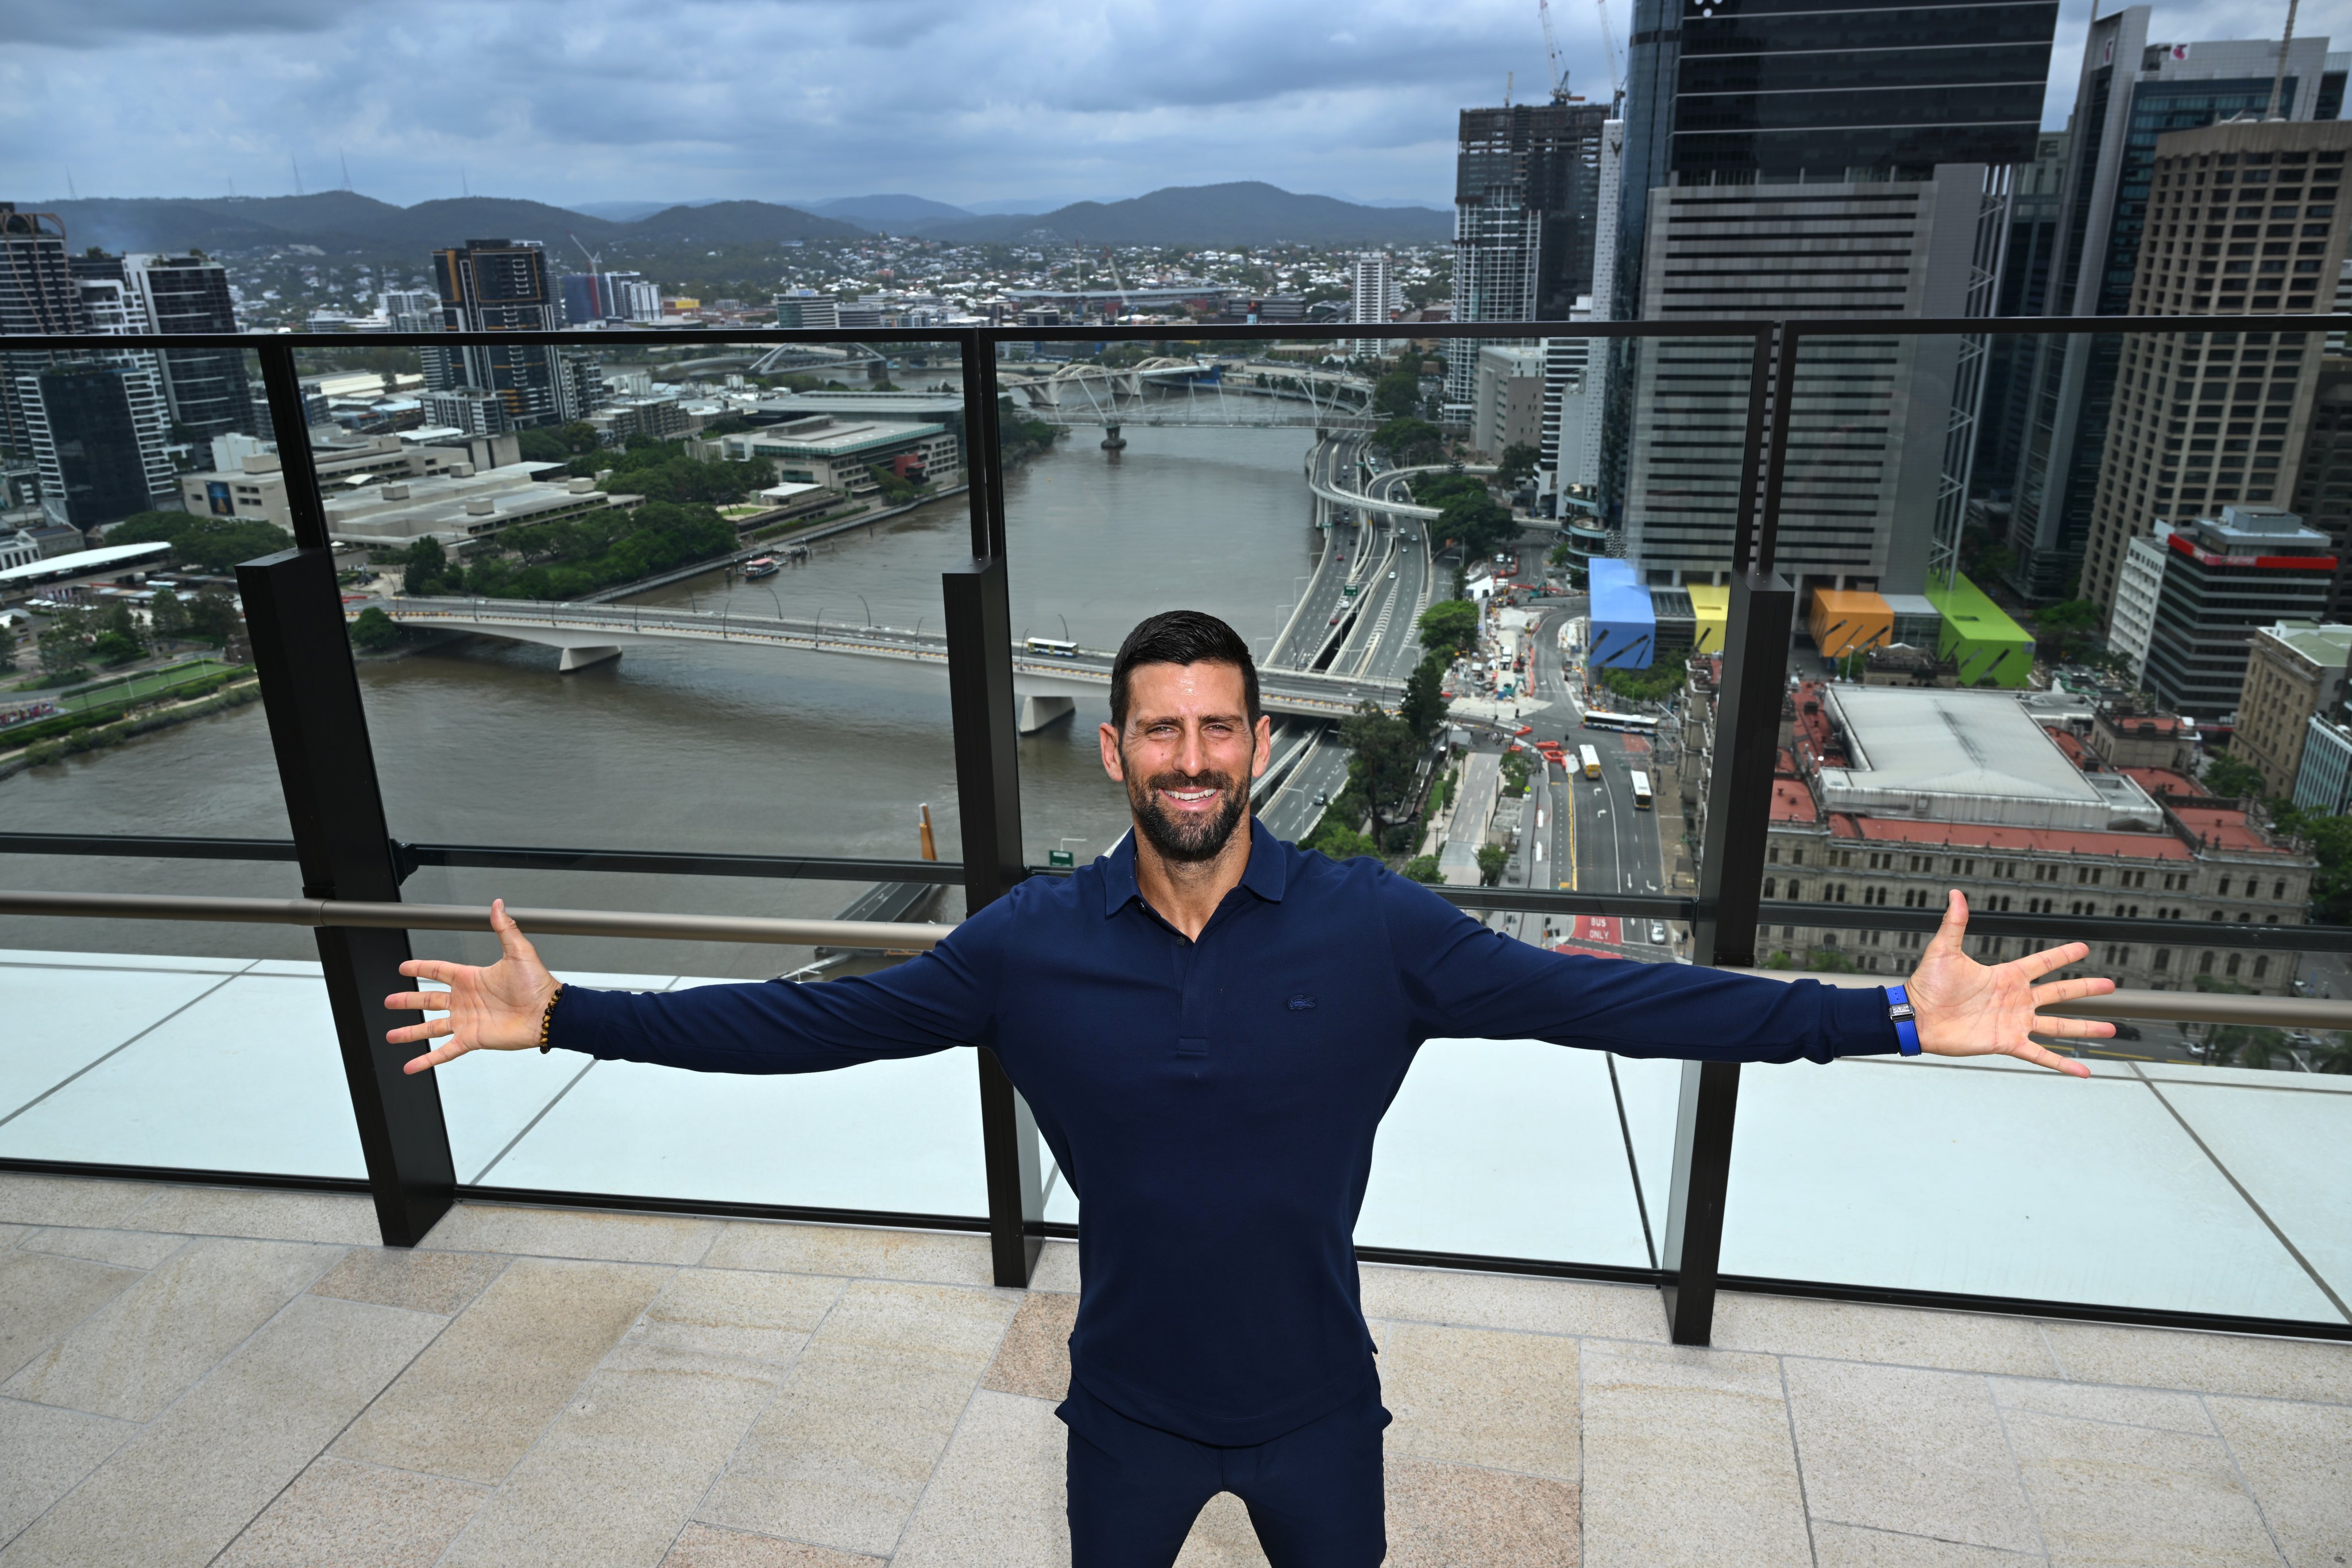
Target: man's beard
1192,839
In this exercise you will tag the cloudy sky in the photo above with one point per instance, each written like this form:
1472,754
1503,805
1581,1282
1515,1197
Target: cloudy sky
601,100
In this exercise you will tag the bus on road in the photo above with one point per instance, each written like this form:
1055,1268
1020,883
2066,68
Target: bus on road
1626,723
1592,761
1641,790
1052,648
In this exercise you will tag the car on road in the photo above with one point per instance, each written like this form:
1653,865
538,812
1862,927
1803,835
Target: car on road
1392,576
1658,932
1322,798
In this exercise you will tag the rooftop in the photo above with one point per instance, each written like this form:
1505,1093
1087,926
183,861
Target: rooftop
2224,827
1986,836
2328,645
1962,756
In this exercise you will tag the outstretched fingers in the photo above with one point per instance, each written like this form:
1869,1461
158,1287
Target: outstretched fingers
2036,965
2072,990
434,1058
2042,1056
431,969
1956,921
2076,1028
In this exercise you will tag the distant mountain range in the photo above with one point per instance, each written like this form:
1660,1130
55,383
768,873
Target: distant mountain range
339,222
1247,212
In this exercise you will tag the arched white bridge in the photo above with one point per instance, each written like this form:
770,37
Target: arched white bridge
1048,686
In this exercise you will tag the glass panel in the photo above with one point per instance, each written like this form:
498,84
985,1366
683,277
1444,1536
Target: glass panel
130,707
1322,501
2032,574
679,598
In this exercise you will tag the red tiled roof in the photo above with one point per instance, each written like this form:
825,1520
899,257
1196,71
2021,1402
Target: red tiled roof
1783,764
2164,781
2023,840
2224,827
2072,745
1792,802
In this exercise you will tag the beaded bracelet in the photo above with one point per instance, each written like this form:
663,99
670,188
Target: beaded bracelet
547,1018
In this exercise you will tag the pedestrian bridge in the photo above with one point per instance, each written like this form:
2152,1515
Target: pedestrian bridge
1048,686
1165,391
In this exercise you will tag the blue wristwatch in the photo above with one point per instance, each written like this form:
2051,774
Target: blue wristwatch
1899,1013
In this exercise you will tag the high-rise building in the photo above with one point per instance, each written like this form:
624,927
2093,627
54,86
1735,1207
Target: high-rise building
1375,296
38,296
1526,197
2295,671
1839,158
2239,218
207,388
591,298
2321,496
2131,91
2035,210
503,285
98,428
2198,589
1731,88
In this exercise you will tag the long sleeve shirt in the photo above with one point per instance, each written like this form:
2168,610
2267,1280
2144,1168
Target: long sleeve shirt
1212,1102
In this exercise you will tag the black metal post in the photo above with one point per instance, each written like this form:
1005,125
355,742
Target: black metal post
988,793
325,766
318,728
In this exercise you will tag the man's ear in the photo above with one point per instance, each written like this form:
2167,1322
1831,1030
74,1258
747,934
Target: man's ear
1113,764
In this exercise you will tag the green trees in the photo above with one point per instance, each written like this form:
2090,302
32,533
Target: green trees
167,616
212,616
1385,755
1424,868
1492,858
1515,466
204,543
1408,442
1423,708
560,445
2330,840
2064,629
64,642
427,571
1397,394
577,555
667,471
2233,777
1515,773
1450,626
119,639
374,631
1656,684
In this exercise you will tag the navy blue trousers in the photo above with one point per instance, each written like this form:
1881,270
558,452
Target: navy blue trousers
1314,1494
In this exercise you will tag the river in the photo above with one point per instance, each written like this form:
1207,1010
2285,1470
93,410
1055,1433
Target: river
695,747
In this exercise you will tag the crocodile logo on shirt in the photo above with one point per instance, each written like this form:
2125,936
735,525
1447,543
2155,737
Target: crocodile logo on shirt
1302,1003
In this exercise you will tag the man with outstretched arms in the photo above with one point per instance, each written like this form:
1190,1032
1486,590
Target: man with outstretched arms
1209,1024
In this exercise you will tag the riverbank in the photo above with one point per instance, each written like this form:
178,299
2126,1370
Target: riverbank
97,734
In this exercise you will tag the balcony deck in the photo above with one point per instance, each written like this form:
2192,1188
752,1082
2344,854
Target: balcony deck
199,1374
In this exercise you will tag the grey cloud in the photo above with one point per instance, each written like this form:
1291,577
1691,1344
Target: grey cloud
95,24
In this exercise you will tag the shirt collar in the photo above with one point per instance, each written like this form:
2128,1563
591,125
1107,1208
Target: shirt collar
1265,875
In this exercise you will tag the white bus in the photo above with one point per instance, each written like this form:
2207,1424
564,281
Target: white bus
1628,723
1592,761
1641,790
1052,648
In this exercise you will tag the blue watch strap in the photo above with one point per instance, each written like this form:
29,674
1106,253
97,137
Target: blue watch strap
1898,1013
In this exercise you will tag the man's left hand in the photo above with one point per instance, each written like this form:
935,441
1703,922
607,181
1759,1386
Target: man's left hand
1963,1008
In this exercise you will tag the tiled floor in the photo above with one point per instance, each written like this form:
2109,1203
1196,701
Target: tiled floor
204,1376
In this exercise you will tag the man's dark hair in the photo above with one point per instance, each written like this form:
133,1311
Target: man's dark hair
1180,637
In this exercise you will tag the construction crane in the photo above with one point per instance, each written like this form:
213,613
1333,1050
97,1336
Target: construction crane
595,289
1551,48
1608,48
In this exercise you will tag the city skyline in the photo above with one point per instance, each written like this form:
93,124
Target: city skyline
1012,109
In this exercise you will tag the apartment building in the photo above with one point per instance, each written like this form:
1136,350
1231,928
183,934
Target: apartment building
2295,671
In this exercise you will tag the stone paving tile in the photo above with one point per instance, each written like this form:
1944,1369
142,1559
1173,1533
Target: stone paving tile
69,1200
1904,1449
138,1352
10,1235
476,1401
610,1483
123,1248
42,1298
843,1455
1057,1268
2101,1402
2205,1364
1687,1459
2129,1494
1480,1396
1844,1330
343,1218
785,1248
700,1546
1441,1516
763,1317
559,1233
1223,1536
1850,1546
2298,1460
997,1498
356,1516
1513,1301
421,1281
44,1453
1034,1358
182,1489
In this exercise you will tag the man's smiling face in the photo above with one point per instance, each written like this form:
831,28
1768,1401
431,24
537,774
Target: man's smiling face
1187,755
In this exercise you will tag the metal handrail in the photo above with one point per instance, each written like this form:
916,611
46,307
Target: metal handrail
2184,1006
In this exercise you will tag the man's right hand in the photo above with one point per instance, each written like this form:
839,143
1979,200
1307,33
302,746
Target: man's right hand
493,1009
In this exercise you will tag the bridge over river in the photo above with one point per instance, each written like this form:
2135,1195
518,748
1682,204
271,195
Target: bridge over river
1048,685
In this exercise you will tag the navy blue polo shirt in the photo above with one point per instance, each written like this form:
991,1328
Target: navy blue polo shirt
1213,1103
